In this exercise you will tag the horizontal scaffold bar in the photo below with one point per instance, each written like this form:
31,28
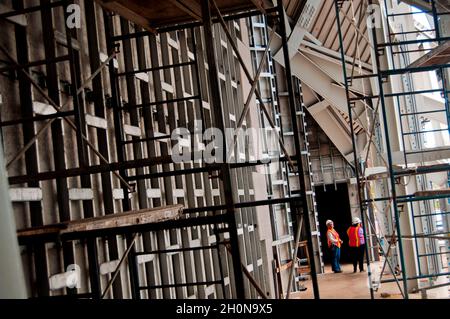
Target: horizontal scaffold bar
417,277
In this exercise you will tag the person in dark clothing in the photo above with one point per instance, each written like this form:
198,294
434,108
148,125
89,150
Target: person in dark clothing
356,243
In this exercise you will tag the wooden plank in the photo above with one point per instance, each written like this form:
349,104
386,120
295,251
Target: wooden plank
423,5
153,14
433,192
143,216
43,230
438,55
139,217
285,266
128,13
191,7
260,5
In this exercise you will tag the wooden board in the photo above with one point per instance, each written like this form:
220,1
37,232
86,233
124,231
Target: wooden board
434,192
139,217
285,266
437,56
153,14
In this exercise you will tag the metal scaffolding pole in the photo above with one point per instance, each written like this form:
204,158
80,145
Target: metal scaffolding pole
352,133
216,105
390,162
304,204
139,114
116,103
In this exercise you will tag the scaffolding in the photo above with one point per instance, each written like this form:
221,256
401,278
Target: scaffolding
119,158
408,134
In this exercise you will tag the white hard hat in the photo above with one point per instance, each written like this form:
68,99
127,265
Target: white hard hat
328,222
356,220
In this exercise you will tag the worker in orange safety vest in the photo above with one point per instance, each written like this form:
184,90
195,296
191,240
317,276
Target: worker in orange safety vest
356,243
334,243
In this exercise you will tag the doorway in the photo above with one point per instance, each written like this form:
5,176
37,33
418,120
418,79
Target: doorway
333,203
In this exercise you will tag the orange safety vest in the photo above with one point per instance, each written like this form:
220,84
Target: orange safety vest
335,235
353,236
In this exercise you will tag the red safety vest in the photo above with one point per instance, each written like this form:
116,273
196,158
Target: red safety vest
353,236
335,235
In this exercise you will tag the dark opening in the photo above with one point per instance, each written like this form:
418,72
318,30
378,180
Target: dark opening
334,204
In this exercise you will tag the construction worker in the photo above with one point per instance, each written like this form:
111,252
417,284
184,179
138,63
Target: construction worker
334,243
356,243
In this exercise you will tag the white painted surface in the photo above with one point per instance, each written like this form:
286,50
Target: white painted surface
142,259
26,194
153,193
43,108
118,193
81,194
108,267
96,121
132,130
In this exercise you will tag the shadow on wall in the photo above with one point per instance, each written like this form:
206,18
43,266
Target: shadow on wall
334,204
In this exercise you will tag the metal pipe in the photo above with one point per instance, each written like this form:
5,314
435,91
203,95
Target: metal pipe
57,137
216,106
117,270
118,133
389,156
355,156
298,157
57,108
102,139
386,260
263,202
418,277
41,272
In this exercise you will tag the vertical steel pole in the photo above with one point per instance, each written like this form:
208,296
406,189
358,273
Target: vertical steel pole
355,155
99,109
31,156
216,105
198,86
389,156
83,158
58,147
298,156
11,269
118,130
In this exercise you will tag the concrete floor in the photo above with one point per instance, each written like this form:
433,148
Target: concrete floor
349,285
